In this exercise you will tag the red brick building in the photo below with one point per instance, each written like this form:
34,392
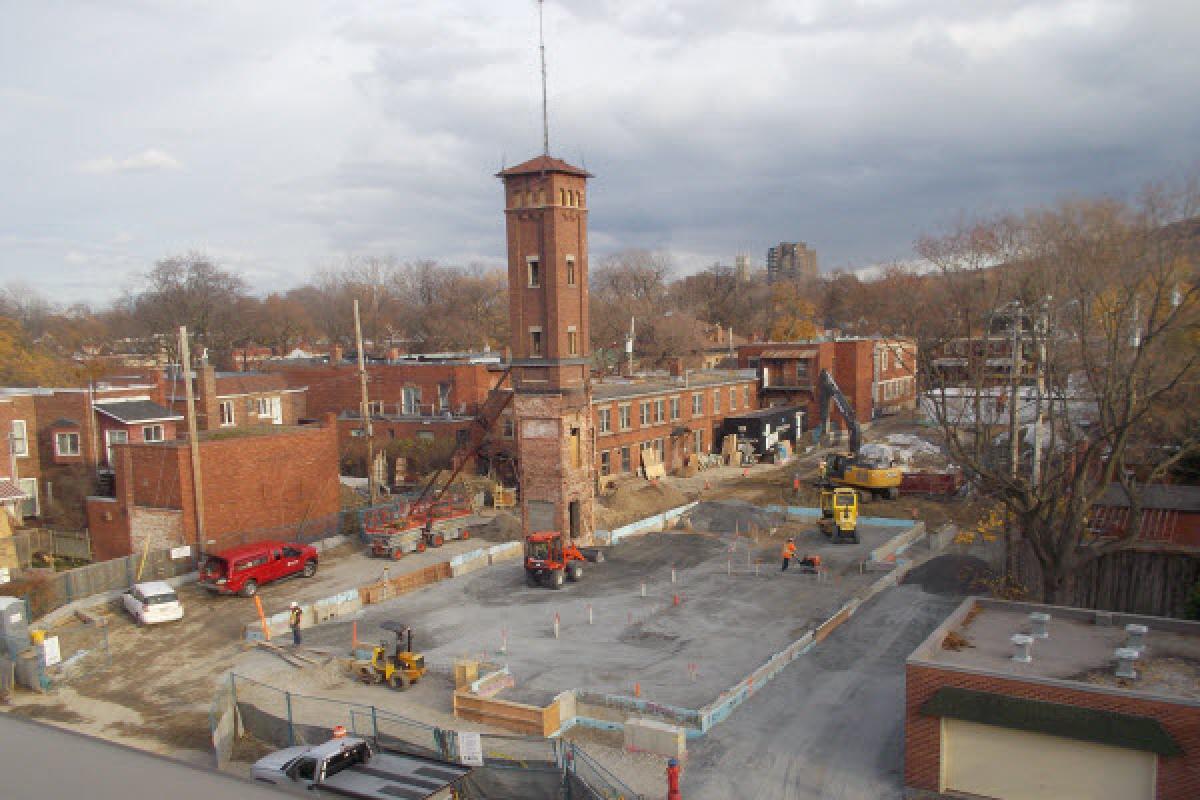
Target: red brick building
545,202
242,399
455,384
256,484
878,376
60,435
674,417
1062,724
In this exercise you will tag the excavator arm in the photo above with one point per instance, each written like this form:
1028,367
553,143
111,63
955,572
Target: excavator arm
830,392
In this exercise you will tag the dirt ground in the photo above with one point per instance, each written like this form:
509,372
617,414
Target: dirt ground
156,692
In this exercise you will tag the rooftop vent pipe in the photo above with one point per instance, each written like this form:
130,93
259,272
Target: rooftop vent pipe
1022,644
1037,625
1136,637
1125,657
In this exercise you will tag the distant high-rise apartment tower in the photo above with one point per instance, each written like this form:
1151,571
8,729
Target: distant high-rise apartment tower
791,260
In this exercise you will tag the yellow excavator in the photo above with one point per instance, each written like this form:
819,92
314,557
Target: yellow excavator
870,473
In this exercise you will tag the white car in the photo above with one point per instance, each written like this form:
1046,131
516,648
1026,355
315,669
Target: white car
152,602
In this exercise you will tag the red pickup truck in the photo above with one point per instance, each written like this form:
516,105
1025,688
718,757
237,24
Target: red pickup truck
241,570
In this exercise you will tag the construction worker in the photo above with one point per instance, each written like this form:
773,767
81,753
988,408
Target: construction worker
788,553
294,617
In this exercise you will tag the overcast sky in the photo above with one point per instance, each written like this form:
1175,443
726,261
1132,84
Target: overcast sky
281,136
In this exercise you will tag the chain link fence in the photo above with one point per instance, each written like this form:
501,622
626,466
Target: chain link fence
514,766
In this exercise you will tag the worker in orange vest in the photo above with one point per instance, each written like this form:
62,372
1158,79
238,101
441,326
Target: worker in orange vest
788,553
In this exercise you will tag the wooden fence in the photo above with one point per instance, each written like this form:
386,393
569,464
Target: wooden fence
17,551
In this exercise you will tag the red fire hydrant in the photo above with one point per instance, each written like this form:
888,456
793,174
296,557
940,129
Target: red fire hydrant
673,780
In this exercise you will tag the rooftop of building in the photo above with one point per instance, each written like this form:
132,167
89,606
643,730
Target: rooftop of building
543,163
136,411
641,385
1157,496
1079,650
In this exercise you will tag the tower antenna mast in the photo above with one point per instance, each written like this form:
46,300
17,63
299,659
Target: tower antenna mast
542,52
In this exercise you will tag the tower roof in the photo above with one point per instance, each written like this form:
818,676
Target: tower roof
543,164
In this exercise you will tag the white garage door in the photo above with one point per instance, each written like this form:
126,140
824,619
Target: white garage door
1009,764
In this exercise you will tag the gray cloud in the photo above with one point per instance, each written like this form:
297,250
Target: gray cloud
309,130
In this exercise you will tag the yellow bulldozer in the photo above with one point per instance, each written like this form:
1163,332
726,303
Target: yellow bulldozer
399,670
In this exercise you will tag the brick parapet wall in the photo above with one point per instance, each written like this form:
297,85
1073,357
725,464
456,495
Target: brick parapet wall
1178,777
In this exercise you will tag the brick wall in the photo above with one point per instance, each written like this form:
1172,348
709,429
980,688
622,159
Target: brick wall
155,529
255,485
1178,777
335,388
708,422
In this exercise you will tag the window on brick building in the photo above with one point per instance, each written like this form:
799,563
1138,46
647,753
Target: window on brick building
659,411
570,270
425,436
745,396
508,428
562,197
697,404
535,272
66,444
645,415
604,420
443,397
674,408
19,443
535,342
732,398
605,462
801,371
626,460
572,341
227,415
410,400
698,441
152,433
623,416
716,401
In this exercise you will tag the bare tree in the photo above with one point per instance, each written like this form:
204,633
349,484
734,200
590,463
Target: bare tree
193,290
1079,324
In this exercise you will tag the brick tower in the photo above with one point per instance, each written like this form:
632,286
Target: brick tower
546,225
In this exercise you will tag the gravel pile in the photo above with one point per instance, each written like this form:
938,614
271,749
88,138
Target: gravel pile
952,575
722,517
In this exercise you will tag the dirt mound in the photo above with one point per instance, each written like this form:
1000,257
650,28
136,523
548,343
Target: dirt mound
953,575
503,527
636,500
724,516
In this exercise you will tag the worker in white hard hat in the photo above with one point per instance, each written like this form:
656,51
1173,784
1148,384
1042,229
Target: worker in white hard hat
294,617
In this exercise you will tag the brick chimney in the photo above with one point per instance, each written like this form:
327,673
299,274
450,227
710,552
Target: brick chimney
208,415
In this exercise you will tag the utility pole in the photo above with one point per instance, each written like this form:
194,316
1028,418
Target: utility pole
1015,380
629,348
364,409
185,358
1041,331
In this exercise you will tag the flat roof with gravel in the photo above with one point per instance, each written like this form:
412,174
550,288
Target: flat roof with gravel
1080,647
